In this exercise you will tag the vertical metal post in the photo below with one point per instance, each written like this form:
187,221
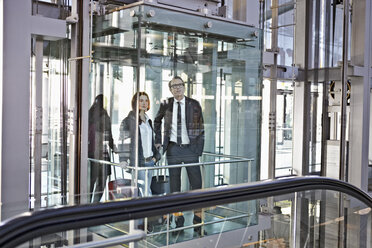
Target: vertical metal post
174,55
220,146
63,114
262,14
312,221
203,174
306,93
325,119
249,170
322,218
301,94
273,89
314,106
222,79
73,116
146,193
38,121
315,83
360,100
294,220
138,72
344,78
168,224
77,130
345,44
78,31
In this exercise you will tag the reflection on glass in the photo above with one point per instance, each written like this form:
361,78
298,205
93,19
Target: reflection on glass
220,69
284,126
316,112
100,142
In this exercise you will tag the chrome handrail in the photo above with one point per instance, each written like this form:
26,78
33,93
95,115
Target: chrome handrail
125,165
223,155
135,235
190,164
200,224
27,226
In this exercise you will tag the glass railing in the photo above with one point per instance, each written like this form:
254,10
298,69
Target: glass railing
157,178
288,212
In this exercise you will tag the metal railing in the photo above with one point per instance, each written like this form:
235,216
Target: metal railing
27,226
234,160
135,235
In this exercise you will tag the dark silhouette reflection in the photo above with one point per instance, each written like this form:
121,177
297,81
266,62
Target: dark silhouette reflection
100,140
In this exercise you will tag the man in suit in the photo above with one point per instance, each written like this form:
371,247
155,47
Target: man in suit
183,138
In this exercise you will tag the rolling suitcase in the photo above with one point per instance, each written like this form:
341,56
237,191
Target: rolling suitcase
160,182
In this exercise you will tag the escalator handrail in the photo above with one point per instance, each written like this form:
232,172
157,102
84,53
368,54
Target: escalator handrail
24,227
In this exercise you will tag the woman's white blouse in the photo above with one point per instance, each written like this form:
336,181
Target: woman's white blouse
146,138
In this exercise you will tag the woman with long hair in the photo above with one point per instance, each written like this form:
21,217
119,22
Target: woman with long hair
148,155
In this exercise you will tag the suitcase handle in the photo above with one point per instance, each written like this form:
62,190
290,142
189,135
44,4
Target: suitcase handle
160,172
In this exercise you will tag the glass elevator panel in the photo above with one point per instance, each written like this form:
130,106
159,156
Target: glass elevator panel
284,126
49,100
143,47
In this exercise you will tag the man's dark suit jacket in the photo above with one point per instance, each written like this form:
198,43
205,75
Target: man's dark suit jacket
194,124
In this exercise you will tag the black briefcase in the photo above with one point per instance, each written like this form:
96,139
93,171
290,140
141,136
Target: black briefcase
160,185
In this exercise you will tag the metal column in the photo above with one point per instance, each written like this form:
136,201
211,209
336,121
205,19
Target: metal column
273,89
38,121
360,95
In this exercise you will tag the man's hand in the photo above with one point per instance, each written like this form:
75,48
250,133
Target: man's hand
157,146
124,165
115,149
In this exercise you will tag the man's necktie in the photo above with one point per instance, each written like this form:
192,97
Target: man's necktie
179,124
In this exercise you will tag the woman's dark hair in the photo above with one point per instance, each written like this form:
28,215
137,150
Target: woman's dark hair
134,99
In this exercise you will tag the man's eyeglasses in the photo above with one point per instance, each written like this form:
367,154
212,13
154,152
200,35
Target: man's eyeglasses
174,86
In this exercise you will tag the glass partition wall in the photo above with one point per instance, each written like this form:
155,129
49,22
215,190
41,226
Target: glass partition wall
49,98
141,48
